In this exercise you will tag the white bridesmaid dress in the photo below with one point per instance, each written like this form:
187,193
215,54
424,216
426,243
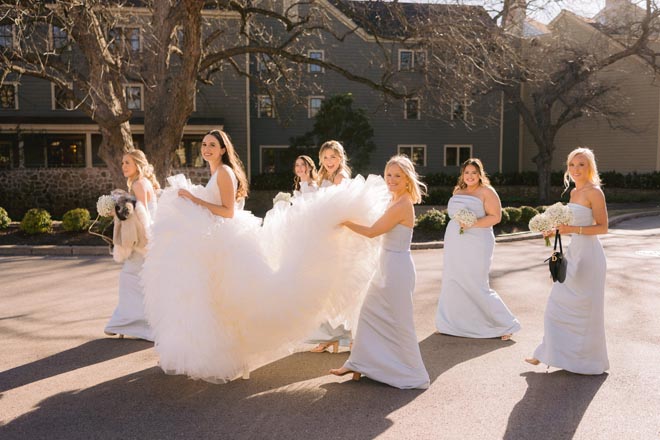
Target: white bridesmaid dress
129,317
574,323
385,348
467,306
226,296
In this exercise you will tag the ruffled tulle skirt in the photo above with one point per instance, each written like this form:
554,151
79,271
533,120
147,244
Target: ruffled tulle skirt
225,296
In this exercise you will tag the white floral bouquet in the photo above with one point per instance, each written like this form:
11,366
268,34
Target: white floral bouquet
282,197
541,223
466,217
555,215
105,206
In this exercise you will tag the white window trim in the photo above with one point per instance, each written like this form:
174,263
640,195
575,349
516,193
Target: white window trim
261,154
15,84
412,58
141,86
412,146
272,103
52,99
13,35
419,109
309,104
309,55
458,153
51,38
467,115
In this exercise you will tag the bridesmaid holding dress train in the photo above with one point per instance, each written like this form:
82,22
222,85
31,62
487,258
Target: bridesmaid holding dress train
574,323
385,348
467,306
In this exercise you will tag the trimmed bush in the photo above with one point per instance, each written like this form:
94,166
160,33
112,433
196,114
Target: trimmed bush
541,209
36,221
514,214
527,213
505,217
4,219
76,220
432,220
437,197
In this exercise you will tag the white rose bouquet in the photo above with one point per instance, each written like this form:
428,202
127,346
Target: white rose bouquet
541,223
466,217
105,206
282,197
559,214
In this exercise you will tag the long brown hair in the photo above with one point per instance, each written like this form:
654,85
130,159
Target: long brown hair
144,169
231,159
311,167
483,178
343,164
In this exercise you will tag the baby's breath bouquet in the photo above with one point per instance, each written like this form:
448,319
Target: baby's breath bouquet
282,197
466,217
105,206
541,223
555,215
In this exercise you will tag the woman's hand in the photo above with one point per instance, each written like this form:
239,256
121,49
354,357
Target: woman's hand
187,195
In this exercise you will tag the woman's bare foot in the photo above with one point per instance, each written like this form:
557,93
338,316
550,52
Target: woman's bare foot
344,371
325,346
507,337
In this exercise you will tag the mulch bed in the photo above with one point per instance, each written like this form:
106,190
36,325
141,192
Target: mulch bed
58,236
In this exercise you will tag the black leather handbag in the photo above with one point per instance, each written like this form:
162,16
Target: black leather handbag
557,262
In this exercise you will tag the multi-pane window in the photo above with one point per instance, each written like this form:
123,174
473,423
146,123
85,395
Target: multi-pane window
314,105
274,159
61,98
125,38
134,96
416,153
411,59
265,108
59,37
455,155
6,35
315,55
460,111
411,109
9,96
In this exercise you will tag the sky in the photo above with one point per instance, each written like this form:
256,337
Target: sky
585,8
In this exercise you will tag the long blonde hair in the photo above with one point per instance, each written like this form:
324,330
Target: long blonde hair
483,178
343,164
311,170
144,169
415,187
593,175
231,159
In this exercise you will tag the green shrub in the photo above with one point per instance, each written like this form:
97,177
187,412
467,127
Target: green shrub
273,181
4,219
541,209
36,221
527,213
514,214
505,217
432,220
76,220
437,197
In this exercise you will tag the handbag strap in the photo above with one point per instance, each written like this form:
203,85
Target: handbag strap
558,238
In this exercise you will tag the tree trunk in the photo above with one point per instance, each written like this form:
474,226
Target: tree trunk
116,141
171,80
543,162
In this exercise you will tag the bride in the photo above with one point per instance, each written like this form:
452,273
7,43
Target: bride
225,296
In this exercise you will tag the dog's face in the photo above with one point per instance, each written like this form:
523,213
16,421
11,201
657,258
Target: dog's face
125,204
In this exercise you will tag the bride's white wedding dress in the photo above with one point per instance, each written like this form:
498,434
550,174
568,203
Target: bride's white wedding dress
225,296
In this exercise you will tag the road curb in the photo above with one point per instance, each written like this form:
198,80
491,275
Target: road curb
79,251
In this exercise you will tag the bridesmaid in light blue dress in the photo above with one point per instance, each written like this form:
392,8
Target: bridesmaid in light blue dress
385,348
574,324
467,306
129,318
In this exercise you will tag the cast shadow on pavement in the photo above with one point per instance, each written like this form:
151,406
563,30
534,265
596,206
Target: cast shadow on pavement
89,353
553,404
276,403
